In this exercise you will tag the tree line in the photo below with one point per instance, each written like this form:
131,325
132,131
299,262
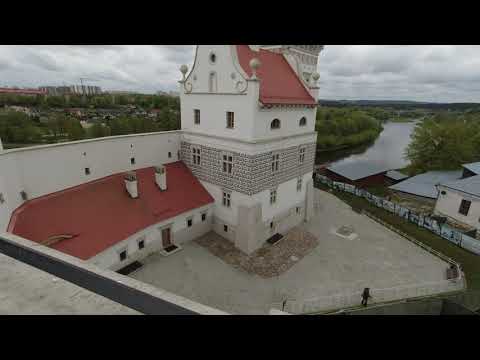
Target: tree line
346,127
444,141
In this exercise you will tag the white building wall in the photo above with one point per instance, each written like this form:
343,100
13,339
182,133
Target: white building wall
180,233
289,119
449,204
41,170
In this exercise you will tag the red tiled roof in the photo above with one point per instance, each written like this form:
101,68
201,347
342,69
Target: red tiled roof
279,84
22,91
101,213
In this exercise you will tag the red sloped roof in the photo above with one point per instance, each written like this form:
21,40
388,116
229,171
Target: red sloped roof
279,84
101,213
22,91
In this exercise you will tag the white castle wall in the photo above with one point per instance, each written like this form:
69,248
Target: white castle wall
41,170
180,233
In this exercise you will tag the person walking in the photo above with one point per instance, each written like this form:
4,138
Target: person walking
365,296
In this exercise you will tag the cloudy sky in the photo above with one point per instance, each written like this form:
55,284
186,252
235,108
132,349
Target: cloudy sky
423,73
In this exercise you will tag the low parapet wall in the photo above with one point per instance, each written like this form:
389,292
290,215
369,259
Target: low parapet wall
124,290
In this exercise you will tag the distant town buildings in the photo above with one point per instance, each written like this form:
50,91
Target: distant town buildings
169,93
71,90
32,92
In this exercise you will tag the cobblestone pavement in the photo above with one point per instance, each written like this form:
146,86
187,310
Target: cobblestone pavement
269,260
376,257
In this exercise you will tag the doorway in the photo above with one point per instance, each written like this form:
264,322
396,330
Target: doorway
166,238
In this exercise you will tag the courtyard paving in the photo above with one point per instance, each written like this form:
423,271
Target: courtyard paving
368,256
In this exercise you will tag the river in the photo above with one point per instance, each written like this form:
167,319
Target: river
388,149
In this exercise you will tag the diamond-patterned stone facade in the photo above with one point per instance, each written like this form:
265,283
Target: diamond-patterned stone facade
251,174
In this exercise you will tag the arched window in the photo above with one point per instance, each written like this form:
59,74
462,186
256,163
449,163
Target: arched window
303,121
275,124
212,82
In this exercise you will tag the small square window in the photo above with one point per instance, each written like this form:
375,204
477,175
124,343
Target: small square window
204,216
123,255
225,228
87,171
169,154
189,222
141,244
226,199
132,161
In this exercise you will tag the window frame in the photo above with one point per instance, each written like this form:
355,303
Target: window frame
196,155
196,116
227,163
303,121
230,117
227,199
190,222
273,196
299,184
275,163
464,204
275,121
123,251
301,155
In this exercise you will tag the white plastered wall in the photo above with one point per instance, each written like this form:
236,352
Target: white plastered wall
449,204
41,170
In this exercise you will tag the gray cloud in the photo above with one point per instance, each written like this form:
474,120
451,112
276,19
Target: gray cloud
425,73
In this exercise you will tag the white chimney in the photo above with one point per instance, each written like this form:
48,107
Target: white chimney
131,184
161,177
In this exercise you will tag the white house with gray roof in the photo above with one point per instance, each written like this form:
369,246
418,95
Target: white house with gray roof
460,201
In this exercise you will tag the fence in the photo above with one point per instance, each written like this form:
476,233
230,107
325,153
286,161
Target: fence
333,302
458,238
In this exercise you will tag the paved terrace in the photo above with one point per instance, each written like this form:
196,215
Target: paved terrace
26,290
375,258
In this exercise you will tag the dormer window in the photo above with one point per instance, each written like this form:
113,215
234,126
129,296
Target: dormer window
275,124
303,121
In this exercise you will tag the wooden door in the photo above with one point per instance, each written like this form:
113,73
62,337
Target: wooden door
166,241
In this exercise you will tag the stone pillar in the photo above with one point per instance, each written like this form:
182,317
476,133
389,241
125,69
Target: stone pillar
309,196
249,225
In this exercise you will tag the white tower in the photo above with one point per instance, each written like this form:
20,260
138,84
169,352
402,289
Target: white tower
248,124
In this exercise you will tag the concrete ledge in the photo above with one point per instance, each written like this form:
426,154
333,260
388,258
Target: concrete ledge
129,285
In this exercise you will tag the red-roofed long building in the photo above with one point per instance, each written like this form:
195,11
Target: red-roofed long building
240,166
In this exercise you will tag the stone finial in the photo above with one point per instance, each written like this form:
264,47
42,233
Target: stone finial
254,65
183,70
315,77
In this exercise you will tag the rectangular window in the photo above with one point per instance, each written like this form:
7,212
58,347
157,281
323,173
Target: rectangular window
189,222
227,164
204,216
275,162
464,207
297,209
225,228
302,155
196,116
273,196
141,244
169,154
196,156
230,120
87,171
123,255
299,184
132,161
226,199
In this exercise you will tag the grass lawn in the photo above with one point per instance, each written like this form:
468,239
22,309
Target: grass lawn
469,261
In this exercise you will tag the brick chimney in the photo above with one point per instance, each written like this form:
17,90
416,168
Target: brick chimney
131,184
161,177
